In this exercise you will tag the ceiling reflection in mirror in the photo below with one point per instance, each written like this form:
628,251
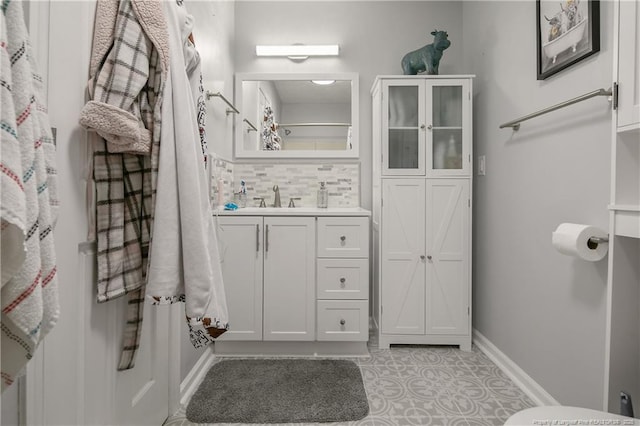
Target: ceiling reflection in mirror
290,115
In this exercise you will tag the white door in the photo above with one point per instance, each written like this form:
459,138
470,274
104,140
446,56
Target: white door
289,278
448,255
403,251
241,250
629,63
142,393
76,381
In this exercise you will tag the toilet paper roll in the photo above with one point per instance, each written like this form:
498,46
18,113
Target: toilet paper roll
572,239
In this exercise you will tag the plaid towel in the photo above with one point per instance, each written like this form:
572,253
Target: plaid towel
126,87
30,305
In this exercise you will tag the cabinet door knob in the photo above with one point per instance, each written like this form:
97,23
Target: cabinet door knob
423,127
422,256
342,322
342,238
342,281
429,127
429,257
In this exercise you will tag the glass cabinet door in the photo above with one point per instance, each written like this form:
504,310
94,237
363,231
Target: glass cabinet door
448,150
404,129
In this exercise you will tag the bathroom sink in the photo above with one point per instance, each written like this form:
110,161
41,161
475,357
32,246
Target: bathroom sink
280,210
294,211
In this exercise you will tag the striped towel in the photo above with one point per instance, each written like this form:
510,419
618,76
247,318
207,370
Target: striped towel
30,305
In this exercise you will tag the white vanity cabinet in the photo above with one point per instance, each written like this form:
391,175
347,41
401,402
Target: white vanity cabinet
296,282
269,273
343,279
289,278
241,252
422,209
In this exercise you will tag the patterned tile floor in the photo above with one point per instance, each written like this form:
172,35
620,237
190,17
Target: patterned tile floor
429,385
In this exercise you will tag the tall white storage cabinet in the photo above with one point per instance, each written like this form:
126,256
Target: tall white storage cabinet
422,209
622,368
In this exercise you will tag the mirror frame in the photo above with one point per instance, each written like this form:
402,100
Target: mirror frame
240,152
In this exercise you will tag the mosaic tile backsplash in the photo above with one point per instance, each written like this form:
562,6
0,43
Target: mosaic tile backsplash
300,181
294,180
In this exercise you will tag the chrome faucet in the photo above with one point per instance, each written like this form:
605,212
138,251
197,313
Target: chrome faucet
292,204
276,200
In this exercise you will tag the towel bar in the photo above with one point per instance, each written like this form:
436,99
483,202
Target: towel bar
515,124
233,109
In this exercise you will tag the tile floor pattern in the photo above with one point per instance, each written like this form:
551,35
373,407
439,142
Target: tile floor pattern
429,385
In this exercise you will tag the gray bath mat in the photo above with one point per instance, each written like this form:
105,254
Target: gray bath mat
279,391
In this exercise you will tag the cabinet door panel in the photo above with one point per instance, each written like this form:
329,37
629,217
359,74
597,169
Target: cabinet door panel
343,278
241,254
403,270
289,278
629,64
448,145
403,128
343,237
448,256
343,320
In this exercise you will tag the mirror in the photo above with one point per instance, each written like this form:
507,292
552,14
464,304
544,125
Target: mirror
309,115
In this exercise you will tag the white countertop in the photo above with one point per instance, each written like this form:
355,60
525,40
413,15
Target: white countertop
294,211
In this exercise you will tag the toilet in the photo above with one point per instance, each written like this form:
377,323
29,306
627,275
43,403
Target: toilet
562,415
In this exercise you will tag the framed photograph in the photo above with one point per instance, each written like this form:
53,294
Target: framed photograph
568,31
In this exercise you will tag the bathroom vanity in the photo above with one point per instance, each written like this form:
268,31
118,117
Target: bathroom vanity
296,280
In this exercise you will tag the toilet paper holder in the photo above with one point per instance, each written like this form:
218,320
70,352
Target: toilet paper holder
586,242
593,242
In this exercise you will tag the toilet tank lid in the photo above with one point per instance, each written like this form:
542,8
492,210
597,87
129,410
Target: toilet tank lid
548,414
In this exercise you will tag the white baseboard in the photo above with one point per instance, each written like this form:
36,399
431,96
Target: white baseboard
190,383
515,373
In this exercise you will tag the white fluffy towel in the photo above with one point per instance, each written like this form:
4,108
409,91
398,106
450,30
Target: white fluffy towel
184,259
27,168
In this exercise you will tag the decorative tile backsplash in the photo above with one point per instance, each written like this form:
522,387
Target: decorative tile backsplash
300,181
294,180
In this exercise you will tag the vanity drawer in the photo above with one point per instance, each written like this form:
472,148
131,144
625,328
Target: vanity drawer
343,320
343,279
343,237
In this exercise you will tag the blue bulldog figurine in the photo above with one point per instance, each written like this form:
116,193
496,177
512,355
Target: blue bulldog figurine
427,58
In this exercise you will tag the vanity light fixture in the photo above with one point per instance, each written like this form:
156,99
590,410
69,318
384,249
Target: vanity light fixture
298,51
323,82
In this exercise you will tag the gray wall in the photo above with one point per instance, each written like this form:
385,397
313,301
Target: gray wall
373,36
214,39
544,310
